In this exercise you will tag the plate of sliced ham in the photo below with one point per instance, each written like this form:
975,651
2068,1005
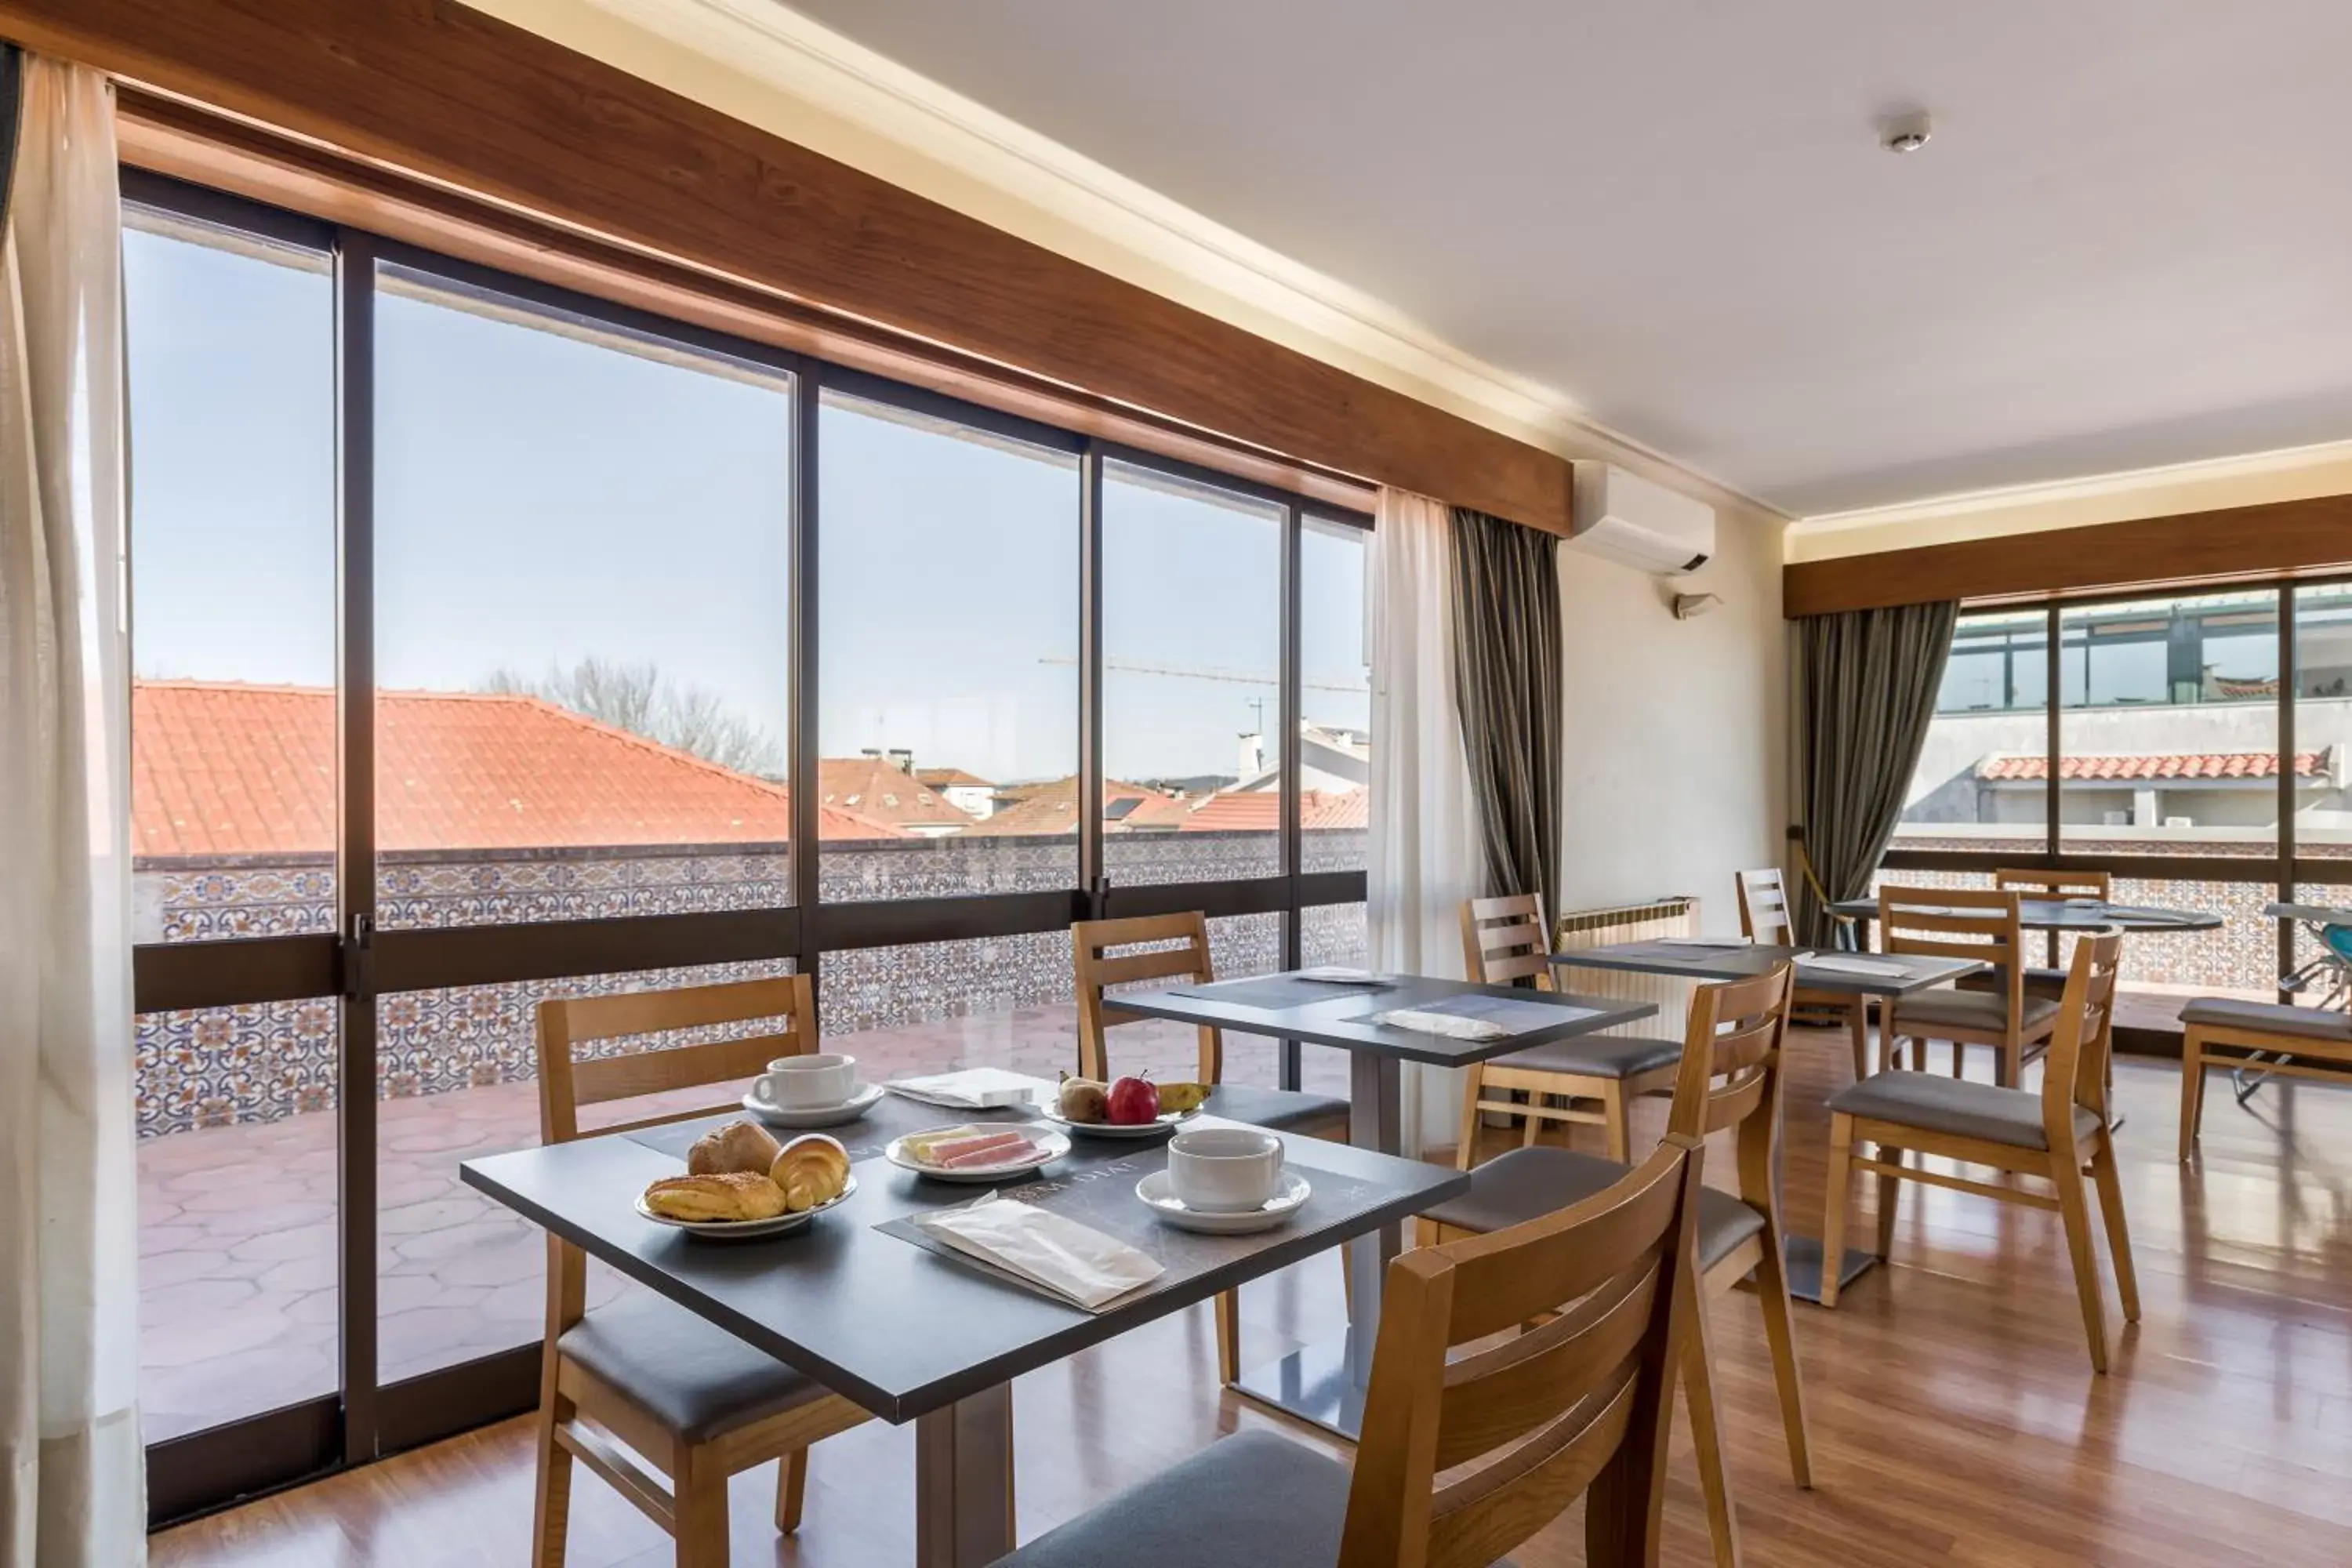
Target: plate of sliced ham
976,1153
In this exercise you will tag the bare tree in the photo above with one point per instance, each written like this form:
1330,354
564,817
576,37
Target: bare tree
639,699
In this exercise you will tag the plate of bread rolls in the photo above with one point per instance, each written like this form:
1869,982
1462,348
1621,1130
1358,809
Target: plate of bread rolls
740,1182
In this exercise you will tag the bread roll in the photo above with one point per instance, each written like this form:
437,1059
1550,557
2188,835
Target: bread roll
737,1146
730,1195
811,1170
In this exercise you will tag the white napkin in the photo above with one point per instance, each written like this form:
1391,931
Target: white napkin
1851,965
1453,1025
1057,1255
1338,975
973,1089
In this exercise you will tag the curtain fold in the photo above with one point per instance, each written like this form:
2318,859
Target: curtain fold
1870,679
1507,665
1422,854
73,1491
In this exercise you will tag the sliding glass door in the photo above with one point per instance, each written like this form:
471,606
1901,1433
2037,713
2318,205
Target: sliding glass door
494,644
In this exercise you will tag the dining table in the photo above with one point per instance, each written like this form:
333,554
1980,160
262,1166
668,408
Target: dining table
2069,915
1854,975
1325,1381
859,1301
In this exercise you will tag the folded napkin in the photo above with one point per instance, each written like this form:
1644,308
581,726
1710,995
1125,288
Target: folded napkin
1847,966
1056,1254
1453,1025
1338,974
973,1089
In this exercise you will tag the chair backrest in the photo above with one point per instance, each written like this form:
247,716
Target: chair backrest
567,1082
1978,923
1505,940
1176,948
2075,1071
1764,907
1578,1406
1730,1074
2098,885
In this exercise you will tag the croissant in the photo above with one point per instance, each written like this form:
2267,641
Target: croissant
811,1170
733,1195
737,1146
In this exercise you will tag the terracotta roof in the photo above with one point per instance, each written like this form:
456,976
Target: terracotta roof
222,768
951,778
1051,806
2127,766
878,789
1260,811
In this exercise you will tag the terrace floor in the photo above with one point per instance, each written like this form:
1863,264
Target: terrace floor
238,1298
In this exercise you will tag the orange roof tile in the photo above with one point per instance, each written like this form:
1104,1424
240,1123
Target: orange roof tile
878,789
223,768
1260,811
2124,767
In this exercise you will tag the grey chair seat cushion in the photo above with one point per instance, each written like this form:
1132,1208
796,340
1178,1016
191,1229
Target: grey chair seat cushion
1528,1184
690,1374
1981,1011
1961,1107
1253,1499
2269,1017
1284,1107
1596,1055
2048,983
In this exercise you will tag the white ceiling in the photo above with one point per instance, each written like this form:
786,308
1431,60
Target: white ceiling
2129,244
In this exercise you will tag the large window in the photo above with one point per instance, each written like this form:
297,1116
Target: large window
583,617
1980,780
669,657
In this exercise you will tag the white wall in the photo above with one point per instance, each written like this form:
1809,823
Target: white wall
1675,768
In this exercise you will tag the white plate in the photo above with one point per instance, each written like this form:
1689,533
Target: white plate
1160,1194
745,1229
867,1097
1166,1120
1050,1147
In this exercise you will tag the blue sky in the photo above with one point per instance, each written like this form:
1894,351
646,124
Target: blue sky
542,500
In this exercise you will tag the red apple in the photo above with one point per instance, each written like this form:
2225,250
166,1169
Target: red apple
1133,1102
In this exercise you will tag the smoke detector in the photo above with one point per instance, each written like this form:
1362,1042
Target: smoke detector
1905,132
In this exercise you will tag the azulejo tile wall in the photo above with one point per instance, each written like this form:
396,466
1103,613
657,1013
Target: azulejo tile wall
224,1066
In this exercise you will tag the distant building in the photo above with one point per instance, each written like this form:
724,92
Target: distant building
968,792
1331,760
883,786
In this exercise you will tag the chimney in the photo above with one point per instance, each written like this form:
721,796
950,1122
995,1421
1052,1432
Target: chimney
902,760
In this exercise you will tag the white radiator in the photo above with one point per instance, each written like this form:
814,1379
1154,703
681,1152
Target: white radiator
1674,916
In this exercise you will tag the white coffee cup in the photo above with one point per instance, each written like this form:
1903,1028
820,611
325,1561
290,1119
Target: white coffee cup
1224,1170
810,1082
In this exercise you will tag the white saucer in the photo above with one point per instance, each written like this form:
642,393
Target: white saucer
1156,1191
867,1097
1162,1123
1050,1147
745,1229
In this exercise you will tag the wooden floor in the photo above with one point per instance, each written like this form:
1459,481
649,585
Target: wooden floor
1955,1416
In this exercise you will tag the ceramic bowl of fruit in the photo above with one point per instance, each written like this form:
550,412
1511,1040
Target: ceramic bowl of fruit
1128,1107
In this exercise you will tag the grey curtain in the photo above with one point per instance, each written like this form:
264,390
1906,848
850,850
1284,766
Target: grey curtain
11,64
1507,680
1870,684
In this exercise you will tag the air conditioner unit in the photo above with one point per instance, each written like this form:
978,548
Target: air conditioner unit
1630,520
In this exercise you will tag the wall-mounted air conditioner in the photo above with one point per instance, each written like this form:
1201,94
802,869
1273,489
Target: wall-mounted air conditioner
1640,524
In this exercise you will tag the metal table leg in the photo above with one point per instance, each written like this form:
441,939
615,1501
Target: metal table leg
1325,1382
963,1481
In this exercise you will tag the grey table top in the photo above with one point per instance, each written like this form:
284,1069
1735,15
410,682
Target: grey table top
889,1324
1738,962
2075,914
1343,1020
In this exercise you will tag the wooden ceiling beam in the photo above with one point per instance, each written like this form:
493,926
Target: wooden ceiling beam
437,90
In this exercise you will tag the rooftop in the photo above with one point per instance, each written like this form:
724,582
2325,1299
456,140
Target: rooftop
2125,766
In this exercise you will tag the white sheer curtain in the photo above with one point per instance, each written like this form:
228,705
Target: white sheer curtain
75,1488
1424,854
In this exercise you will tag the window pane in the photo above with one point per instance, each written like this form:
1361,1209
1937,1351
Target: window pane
1980,779
1331,933
582,619
2168,743
2323,725
231,357
459,1276
949,709
238,1298
1336,690
1192,721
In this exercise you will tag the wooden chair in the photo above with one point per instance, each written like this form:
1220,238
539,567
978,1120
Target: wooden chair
1503,941
1962,923
697,1404
1764,917
1736,1031
1099,967
1580,1405
2053,1133
2047,978
2262,1037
